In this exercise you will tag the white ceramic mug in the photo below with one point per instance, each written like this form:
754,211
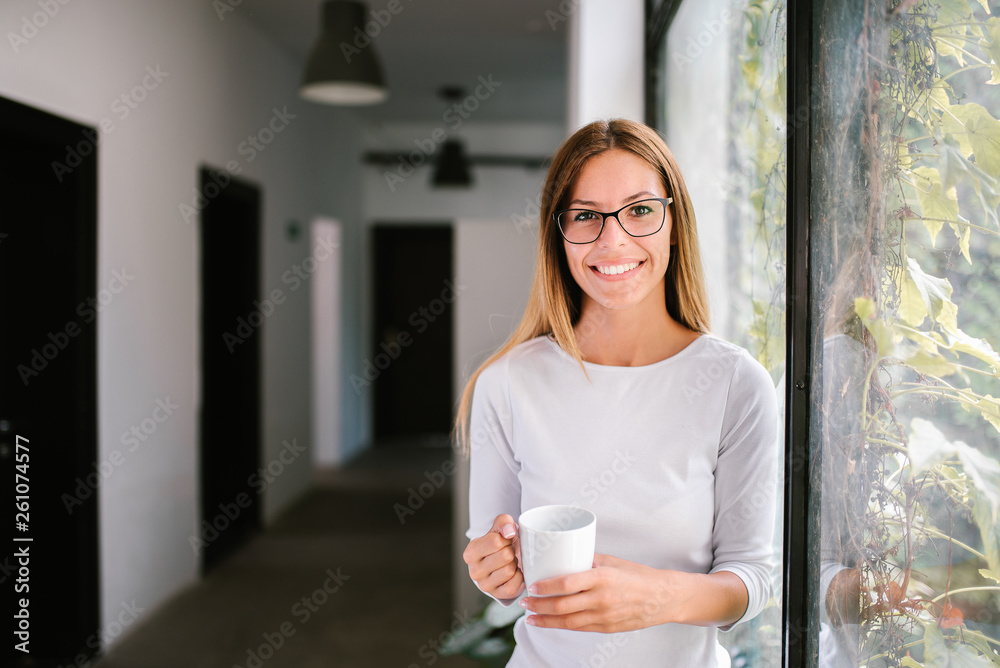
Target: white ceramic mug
556,540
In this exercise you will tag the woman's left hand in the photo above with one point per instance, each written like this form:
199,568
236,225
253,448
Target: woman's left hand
615,595
618,595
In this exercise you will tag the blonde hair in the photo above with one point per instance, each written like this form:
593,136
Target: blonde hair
555,298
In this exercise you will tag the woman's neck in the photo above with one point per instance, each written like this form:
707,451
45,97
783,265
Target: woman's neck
630,337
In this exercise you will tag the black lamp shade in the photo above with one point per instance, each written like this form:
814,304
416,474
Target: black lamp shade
452,166
343,67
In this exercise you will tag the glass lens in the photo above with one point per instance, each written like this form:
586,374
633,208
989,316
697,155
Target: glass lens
580,226
642,218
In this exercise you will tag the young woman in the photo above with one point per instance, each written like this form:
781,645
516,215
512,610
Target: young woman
612,395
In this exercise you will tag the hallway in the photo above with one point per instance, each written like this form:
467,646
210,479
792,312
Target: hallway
337,581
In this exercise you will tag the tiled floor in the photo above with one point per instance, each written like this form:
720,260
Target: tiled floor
270,606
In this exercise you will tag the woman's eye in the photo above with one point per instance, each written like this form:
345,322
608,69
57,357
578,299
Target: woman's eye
584,217
640,210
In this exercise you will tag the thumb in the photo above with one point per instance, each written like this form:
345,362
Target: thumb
505,526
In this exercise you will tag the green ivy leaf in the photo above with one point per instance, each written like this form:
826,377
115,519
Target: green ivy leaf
912,309
981,642
931,364
984,514
939,654
952,11
884,338
989,407
980,129
991,45
936,203
960,342
936,295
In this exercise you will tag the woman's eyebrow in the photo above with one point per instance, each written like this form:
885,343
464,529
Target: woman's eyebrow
630,198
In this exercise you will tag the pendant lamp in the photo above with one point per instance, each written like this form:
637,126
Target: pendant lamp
343,67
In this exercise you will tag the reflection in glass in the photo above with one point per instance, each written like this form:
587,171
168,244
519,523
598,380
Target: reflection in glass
904,238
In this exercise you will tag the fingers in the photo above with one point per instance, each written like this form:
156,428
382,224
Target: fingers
505,526
563,585
493,559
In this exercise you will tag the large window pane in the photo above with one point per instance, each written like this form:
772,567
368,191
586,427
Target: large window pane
905,242
724,118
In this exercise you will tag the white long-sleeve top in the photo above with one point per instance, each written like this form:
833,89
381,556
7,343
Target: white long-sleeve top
678,460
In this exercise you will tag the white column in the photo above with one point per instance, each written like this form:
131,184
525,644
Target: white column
605,61
326,328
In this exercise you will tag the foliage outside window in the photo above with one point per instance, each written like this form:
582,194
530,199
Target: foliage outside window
906,261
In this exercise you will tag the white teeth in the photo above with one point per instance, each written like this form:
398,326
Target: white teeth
618,269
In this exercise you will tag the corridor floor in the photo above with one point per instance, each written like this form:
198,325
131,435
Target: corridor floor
270,606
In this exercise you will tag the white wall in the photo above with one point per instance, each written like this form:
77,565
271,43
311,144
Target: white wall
606,61
224,78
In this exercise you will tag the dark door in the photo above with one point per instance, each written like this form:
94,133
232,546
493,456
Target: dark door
411,359
231,324
48,391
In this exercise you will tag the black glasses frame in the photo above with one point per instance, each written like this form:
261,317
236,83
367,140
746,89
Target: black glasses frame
665,201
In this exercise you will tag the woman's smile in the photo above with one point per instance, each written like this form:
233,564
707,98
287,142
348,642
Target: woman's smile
618,271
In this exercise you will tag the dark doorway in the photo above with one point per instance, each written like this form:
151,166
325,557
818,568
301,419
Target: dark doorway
231,323
411,355
48,391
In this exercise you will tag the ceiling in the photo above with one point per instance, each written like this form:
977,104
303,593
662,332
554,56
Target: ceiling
428,44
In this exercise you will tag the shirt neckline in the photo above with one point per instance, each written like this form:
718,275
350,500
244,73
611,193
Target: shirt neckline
683,352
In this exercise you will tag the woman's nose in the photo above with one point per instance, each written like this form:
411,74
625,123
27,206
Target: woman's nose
613,234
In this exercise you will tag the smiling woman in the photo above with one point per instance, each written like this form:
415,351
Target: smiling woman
609,363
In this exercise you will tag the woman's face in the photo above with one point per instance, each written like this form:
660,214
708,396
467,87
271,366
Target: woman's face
619,271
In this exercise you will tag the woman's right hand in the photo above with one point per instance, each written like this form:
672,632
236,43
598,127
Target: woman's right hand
494,560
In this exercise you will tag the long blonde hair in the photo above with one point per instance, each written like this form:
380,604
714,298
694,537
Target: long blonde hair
555,299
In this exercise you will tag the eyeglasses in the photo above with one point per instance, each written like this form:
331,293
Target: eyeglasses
638,219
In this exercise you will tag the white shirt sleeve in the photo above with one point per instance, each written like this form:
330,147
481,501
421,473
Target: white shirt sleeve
493,484
746,484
